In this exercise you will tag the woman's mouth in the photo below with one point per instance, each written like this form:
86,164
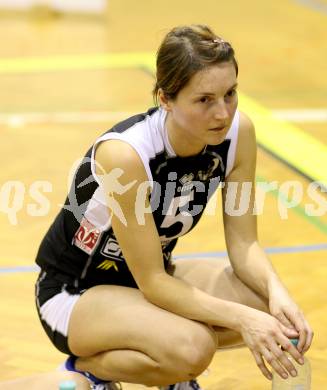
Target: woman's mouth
218,128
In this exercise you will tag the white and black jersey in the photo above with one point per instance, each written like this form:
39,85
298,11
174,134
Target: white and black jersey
81,243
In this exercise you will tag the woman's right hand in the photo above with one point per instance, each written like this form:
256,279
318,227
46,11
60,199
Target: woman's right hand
265,335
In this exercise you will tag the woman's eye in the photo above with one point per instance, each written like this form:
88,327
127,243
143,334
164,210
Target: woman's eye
231,93
204,99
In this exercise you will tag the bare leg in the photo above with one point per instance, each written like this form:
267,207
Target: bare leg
119,335
217,278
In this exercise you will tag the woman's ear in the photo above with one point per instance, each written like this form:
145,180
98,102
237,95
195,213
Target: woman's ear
163,100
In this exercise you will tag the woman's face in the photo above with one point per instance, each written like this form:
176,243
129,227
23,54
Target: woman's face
203,110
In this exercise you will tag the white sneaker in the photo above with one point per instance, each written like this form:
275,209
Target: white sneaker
190,385
95,383
101,386
106,386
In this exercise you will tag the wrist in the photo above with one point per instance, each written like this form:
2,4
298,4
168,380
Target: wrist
273,284
241,318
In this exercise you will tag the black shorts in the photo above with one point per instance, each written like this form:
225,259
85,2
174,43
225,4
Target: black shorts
56,295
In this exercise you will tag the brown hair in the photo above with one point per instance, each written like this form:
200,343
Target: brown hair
184,51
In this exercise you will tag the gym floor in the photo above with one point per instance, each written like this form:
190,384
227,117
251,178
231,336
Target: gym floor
66,79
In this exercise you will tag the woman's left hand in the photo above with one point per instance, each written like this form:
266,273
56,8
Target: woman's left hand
283,308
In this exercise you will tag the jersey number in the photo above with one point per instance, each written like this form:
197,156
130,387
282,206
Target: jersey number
173,216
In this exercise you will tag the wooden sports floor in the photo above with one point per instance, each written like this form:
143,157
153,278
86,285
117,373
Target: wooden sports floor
60,94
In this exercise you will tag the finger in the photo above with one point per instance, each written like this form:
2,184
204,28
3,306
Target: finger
272,360
308,342
287,346
300,326
309,337
283,360
303,335
260,363
290,333
284,320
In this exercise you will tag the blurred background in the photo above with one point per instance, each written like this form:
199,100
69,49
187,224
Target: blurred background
69,70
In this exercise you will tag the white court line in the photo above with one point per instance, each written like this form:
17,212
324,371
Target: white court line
83,6
302,115
315,5
17,120
22,119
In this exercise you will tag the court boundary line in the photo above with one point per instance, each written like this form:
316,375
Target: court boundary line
302,152
299,210
313,5
59,63
219,254
301,115
18,119
292,144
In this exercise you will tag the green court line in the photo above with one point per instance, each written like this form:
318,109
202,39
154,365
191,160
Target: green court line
299,149
313,220
73,62
285,140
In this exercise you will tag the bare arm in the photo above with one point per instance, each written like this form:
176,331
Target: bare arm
249,261
140,244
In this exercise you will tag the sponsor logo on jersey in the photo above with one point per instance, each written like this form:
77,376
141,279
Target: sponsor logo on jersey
107,264
87,236
112,249
186,182
186,178
217,160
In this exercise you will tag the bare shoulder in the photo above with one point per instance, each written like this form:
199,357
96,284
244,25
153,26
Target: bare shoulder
246,128
246,138
117,154
246,146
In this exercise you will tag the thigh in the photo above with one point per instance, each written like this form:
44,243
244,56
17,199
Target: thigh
55,300
110,317
216,277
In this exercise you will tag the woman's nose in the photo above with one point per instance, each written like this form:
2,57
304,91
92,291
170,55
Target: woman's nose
221,112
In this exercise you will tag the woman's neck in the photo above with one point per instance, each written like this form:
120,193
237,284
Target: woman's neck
182,145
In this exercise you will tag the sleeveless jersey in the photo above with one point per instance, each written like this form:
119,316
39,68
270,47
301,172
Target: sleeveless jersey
81,243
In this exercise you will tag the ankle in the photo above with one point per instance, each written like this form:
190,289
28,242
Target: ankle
79,365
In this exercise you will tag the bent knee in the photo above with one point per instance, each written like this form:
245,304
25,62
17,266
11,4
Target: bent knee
195,360
193,351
